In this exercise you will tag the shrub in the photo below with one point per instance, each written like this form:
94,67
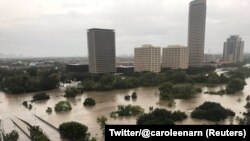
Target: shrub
12,136
49,110
151,108
40,96
247,105
134,95
30,107
102,121
248,98
89,102
63,106
220,92
25,104
36,134
244,121
71,92
128,110
127,97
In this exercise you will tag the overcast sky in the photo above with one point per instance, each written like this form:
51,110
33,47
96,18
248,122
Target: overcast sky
58,27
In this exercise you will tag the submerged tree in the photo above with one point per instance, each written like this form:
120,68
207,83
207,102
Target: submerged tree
234,85
89,102
40,96
63,106
71,92
12,136
37,134
211,111
74,131
127,110
134,95
102,121
161,116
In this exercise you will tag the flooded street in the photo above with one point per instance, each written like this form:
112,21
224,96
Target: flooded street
11,107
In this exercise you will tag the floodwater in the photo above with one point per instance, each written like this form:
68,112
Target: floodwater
106,102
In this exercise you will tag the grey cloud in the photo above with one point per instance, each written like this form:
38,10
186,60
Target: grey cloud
136,22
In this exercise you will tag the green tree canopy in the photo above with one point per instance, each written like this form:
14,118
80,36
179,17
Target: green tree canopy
40,96
89,102
71,92
63,106
102,121
211,111
234,85
74,131
12,136
128,110
37,134
161,116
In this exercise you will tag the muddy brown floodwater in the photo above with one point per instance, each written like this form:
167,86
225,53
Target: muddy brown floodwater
106,102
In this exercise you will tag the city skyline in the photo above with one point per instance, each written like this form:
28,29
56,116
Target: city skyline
60,26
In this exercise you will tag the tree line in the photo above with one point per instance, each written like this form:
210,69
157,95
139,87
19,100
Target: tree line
40,79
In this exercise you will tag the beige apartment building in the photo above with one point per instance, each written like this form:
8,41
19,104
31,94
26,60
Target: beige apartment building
147,58
175,57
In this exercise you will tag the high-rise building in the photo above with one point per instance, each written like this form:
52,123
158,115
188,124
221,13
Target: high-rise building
196,32
148,58
233,49
175,57
101,49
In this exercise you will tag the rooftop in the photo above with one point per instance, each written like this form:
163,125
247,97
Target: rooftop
198,2
176,46
148,46
99,29
77,64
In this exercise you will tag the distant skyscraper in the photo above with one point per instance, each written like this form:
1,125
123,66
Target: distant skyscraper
148,58
175,57
196,32
101,48
233,49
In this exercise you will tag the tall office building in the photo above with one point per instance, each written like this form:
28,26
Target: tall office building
196,32
148,58
175,57
101,49
233,49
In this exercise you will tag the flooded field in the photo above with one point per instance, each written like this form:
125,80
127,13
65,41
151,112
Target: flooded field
106,102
